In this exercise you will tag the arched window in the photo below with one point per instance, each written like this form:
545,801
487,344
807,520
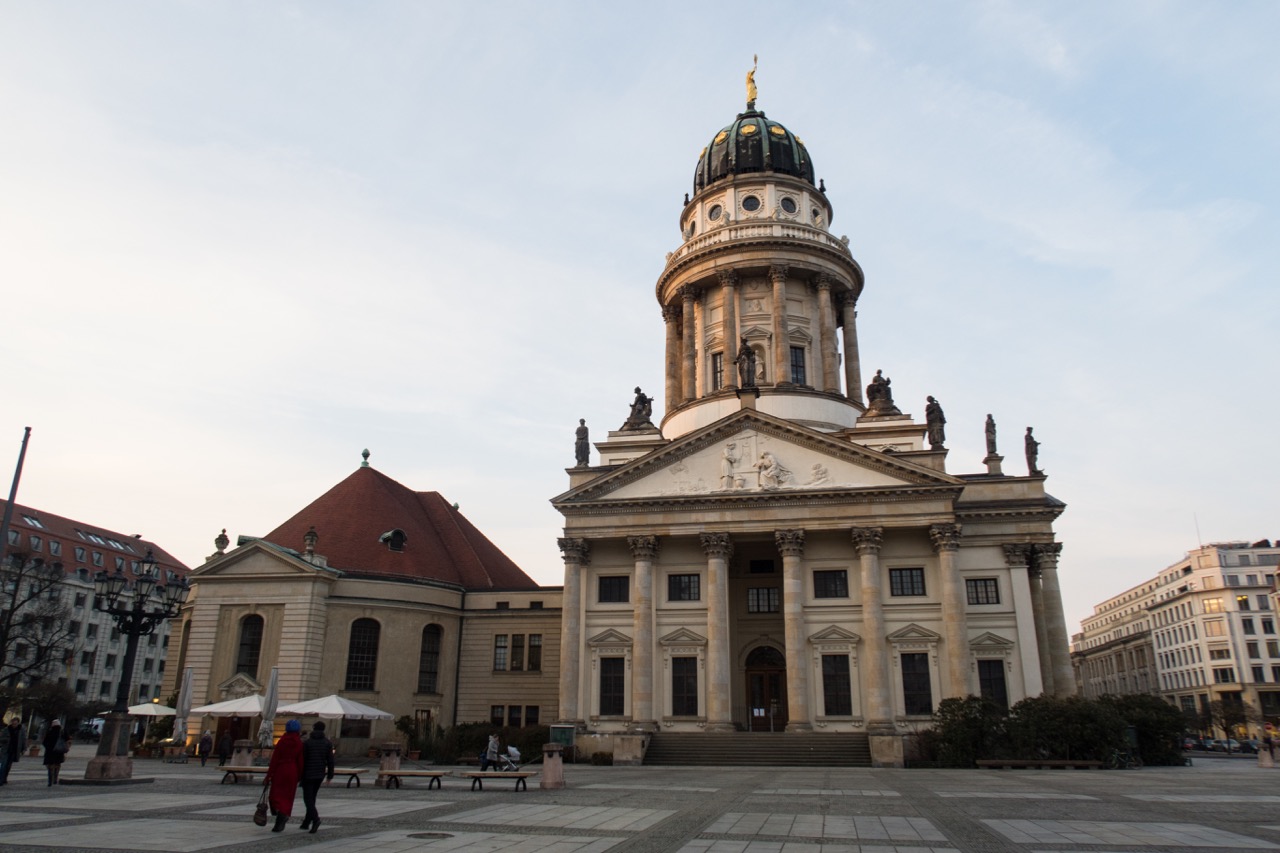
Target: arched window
362,654
429,660
250,645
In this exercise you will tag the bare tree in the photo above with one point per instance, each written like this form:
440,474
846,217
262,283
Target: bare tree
35,629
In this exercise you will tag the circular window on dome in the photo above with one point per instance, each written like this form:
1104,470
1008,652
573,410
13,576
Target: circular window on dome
720,137
777,131
748,129
714,213
751,202
789,204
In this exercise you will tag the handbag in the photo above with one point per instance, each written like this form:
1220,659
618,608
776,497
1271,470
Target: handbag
60,746
260,813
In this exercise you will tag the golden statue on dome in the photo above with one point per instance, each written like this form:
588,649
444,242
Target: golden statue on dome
751,82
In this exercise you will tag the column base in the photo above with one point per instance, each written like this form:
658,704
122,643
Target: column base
109,768
886,745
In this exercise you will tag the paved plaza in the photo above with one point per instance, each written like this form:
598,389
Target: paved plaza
1219,804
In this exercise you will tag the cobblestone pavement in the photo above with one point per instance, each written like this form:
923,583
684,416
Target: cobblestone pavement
1218,805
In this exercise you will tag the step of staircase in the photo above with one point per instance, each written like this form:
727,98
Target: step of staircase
758,749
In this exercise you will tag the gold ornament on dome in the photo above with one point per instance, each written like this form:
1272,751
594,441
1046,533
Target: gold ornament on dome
751,82
748,129
703,154
720,137
777,131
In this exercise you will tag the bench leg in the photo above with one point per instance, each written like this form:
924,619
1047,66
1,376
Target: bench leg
476,782
393,780
434,780
351,779
520,785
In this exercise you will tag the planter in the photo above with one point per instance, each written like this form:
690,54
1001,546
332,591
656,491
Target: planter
413,754
34,751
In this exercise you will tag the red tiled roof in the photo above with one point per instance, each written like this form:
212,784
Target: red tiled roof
70,535
440,544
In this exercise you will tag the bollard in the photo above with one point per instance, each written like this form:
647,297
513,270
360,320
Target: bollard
552,766
390,760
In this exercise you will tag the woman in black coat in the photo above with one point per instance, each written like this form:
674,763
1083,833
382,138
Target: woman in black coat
55,752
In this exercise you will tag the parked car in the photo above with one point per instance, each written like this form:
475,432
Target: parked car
1189,743
1250,746
1228,745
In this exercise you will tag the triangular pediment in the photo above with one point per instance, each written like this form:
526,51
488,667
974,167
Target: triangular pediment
749,454
258,558
609,638
238,685
913,633
834,634
683,637
990,641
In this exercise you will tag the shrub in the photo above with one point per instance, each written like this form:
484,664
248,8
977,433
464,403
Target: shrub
964,731
1071,729
1158,725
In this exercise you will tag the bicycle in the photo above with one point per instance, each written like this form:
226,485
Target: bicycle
1124,759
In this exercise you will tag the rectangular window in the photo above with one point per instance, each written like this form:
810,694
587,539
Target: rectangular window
80,553
760,567
1219,654
86,658
36,542
106,689
837,697
500,653
717,371
684,687
1233,580
82,686
1258,674
906,582
831,584
982,590
1252,648
81,599
1224,675
111,662
1275,673
535,656
612,686
917,692
1247,626
1264,603
683,588
1213,605
531,715
497,715
513,716
763,600
1214,629
1268,625
1242,602
73,628
615,589
517,652
355,728
55,548
991,682
1273,648
797,366
97,558
91,631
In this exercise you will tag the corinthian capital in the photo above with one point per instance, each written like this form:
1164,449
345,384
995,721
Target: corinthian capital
716,544
945,537
643,547
1017,554
867,539
728,278
670,313
575,551
689,293
1046,554
778,273
822,282
790,542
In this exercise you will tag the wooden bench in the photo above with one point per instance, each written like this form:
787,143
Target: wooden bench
234,774
477,777
1037,764
395,776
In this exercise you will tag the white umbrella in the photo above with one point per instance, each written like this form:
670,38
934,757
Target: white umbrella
269,703
184,708
334,706
245,706
149,709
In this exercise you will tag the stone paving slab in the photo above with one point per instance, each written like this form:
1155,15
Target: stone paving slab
723,846
1016,795
9,818
133,800
1115,832
405,841
1204,798
604,818
826,792
867,828
603,787
340,808
179,836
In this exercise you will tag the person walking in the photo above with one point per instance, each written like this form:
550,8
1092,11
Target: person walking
13,740
205,747
490,753
283,774
317,770
225,745
55,752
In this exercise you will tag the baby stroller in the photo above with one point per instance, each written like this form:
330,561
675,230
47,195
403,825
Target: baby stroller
509,761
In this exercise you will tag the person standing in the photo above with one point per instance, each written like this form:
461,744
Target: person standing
491,753
13,740
205,747
283,774
55,752
317,770
225,745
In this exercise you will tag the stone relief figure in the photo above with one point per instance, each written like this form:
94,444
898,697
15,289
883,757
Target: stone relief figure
641,412
582,443
746,365
880,397
991,436
818,475
770,474
935,420
727,463
1033,453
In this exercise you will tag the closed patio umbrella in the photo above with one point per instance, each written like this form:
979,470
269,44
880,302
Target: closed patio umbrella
184,708
269,703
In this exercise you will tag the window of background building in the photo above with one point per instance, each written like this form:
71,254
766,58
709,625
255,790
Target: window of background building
1224,675
497,715
1252,648
1213,605
684,687
1233,580
81,686
1258,674
906,582
250,648
831,584
55,548
612,686
1275,673
1214,629
429,659
81,599
1268,625
531,715
1219,654
362,654
837,696
1242,602
501,646
797,366
86,659
91,631
917,692
106,689
684,588
1264,603
615,589
982,590
763,600
1273,648
513,716
1246,625
535,653
355,728
717,371
80,554
991,682
517,652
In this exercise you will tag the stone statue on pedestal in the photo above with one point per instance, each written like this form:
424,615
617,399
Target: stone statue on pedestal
935,421
991,436
746,365
880,397
582,444
1033,452
641,412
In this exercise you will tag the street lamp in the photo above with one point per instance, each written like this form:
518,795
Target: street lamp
137,612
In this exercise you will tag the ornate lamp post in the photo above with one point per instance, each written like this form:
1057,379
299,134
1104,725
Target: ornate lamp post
137,612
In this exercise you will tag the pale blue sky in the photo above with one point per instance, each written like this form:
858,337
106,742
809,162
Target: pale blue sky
241,241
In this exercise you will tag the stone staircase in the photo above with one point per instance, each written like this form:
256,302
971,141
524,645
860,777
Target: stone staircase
759,749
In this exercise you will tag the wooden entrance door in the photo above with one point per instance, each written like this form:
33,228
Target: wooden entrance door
766,690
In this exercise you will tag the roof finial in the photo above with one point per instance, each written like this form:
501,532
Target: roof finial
751,82
365,463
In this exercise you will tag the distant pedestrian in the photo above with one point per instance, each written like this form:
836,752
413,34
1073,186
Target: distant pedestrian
283,774
225,744
490,758
55,752
13,740
317,770
205,746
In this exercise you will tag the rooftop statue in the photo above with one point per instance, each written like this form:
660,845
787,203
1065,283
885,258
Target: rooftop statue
880,397
641,412
746,365
1033,454
582,444
935,421
991,435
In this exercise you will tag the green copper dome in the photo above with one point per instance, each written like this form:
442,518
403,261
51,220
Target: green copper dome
752,143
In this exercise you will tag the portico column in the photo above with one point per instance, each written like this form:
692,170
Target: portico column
643,550
867,540
1042,632
852,364
1017,557
577,555
690,294
729,331
781,343
718,547
946,541
1064,683
791,546
671,318
826,335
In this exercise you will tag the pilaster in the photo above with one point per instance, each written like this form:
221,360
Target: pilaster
729,323
1018,557
791,545
718,547
781,342
852,361
643,551
576,554
1046,557
946,542
674,393
826,334
689,294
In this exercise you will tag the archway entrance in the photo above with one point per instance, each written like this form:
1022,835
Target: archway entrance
766,690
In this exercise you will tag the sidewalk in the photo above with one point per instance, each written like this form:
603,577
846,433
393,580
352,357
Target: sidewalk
1216,805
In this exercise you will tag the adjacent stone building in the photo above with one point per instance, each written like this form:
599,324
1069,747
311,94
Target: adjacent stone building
779,551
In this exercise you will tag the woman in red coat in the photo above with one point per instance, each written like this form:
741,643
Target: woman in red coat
283,774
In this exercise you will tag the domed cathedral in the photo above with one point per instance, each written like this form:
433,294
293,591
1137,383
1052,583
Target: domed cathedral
781,553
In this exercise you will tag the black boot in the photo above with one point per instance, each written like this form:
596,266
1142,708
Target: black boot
315,824
281,820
